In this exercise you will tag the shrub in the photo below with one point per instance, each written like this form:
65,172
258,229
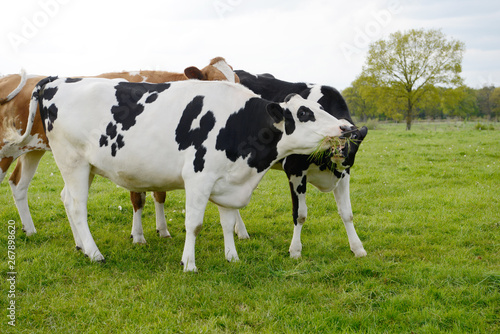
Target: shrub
480,126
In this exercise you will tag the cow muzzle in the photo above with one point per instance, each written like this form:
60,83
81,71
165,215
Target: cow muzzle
348,131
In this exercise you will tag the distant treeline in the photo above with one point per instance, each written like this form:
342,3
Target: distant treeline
369,102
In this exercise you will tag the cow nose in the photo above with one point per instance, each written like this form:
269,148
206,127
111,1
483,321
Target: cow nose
347,131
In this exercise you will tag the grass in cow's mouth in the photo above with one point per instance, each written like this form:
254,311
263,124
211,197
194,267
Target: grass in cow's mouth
335,144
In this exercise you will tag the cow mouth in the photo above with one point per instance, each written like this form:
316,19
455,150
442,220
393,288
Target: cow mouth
330,148
337,148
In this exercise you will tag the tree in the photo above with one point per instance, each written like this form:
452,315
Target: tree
495,103
461,102
483,100
360,99
412,64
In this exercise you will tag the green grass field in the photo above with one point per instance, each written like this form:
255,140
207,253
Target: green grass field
426,206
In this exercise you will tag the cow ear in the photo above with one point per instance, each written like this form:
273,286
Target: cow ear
276,112
194,73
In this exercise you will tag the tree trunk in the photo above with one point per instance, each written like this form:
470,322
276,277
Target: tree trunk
409,115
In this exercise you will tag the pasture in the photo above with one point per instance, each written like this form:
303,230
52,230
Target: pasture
426,206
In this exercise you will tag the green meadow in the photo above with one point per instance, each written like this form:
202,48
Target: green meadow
426,205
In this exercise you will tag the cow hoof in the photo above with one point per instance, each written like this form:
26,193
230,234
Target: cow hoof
295,252
29,232
163,234
189,268
232,258
241,232
97,257
138,239
359,252
79,248
243,236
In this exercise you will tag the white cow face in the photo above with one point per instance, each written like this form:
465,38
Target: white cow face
306,125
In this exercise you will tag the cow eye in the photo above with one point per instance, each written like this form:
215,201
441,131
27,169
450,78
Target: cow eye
305,114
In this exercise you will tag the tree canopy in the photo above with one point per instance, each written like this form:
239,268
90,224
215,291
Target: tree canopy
405,72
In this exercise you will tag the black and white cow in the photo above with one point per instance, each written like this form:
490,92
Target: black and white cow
300,169
216,140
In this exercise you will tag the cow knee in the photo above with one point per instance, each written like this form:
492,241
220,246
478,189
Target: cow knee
346,216
65,197
301,216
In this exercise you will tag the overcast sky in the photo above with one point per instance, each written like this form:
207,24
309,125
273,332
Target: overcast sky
316,41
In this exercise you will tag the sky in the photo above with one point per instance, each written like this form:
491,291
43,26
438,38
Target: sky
316,41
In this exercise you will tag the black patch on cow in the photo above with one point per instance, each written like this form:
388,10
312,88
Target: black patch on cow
305,114
40,93
50,112
296,164
269,87
49,93
111,130
128,95
289,122
72,80
337,173
295,190
113,149
295,203
301,189
186,137
103,141
250,133
119,141
151,98
51,116
305,93
334,104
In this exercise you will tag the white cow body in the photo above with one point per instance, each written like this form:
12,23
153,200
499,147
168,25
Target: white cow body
214,139
14,110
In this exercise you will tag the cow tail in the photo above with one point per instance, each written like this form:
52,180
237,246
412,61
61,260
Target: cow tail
36,100
18,88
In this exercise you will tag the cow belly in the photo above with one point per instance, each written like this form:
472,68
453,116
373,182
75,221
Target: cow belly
142,181
137,173
234,189
231,196
325,180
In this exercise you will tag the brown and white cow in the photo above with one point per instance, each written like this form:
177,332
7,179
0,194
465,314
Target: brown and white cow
15,95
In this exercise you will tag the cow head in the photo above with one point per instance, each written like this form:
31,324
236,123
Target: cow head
306,126
332,101
354,138
217,70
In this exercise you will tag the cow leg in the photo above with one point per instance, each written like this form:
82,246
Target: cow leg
161,222
138,200
228,219
65,197
343,200
75,196
196,202
240,228
298,192
19,182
